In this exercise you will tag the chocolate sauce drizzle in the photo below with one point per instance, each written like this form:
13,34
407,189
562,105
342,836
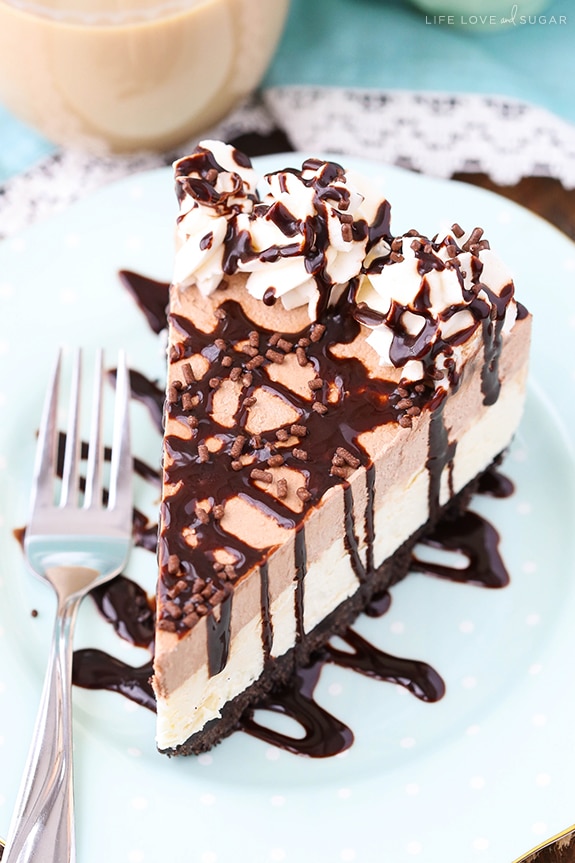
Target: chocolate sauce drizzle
95,669
130,612
324,734
126,607
441,453
267,627
351,541
477,540
300,571
418,677
219,637
150,296
212,477
360,401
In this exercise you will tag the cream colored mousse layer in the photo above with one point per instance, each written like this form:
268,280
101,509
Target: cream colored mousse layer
439,349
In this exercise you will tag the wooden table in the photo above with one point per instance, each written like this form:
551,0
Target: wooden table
541,195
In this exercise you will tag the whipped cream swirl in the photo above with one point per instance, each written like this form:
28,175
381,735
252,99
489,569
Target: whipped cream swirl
214,185
303,238
424,298
307,236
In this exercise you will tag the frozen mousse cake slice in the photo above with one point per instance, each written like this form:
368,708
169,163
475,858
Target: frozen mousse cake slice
332,391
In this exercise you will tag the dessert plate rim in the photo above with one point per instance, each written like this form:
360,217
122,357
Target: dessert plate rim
422,767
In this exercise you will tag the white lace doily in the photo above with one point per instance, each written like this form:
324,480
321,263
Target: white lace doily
435,133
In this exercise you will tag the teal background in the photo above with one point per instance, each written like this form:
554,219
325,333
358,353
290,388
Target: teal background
388,44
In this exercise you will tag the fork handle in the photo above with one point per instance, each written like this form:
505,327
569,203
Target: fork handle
42,827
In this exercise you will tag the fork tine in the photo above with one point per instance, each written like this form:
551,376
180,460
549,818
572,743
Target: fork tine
120,496
73,550
69,492
46,447
93,493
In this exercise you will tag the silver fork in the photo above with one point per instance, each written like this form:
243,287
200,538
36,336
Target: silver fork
74,548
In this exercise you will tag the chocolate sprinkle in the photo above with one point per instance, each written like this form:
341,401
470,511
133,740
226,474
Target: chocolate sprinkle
261,475
301,356
319,408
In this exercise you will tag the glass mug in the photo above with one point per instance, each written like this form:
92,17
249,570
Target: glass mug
124,75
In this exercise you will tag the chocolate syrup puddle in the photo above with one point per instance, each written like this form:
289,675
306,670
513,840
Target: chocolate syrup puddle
145,533
473,536
323,734
125,605
495,484
418,677
148,393
151,297
95,669
379,604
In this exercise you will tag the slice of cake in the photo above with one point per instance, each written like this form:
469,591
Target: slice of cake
332,390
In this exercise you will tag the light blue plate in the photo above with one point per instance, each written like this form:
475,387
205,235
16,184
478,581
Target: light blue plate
482,775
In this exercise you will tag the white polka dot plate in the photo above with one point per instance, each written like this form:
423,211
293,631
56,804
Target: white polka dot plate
481,775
